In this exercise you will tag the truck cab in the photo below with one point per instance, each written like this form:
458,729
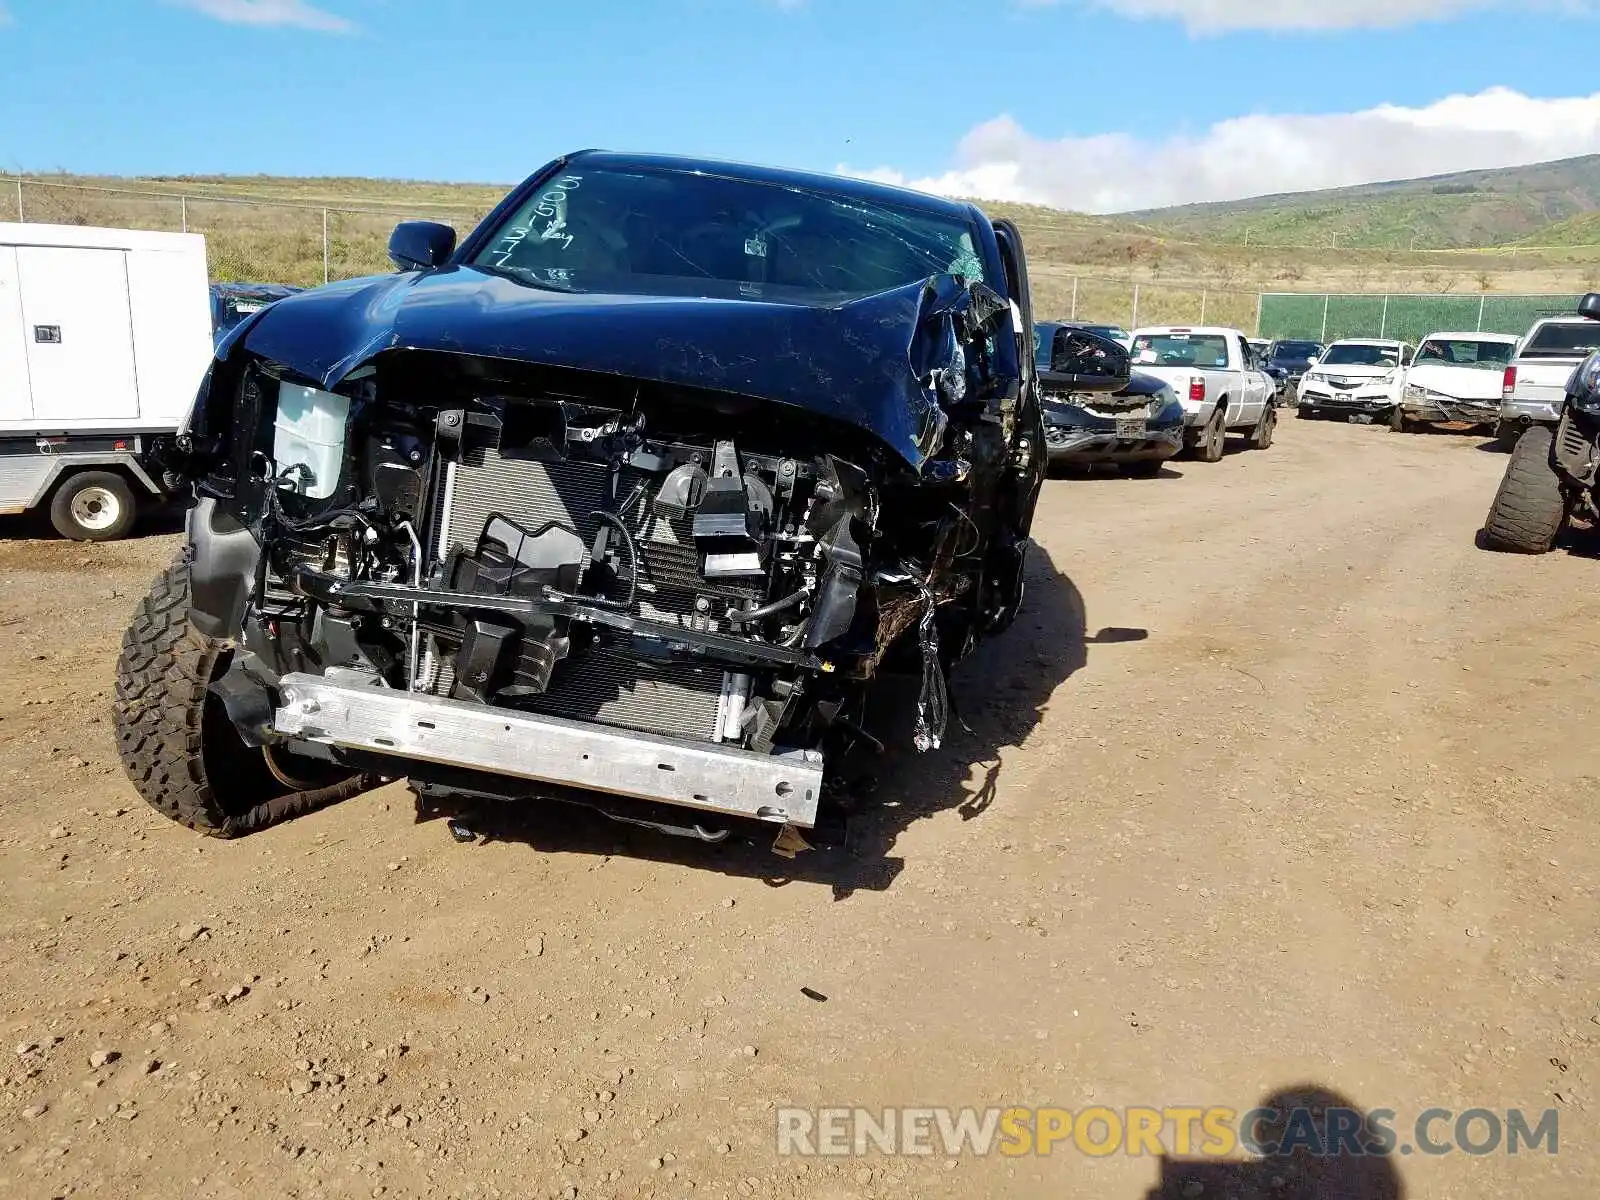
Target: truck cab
1534,385
1213,371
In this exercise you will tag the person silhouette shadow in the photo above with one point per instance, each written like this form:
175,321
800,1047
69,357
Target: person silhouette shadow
1315,1132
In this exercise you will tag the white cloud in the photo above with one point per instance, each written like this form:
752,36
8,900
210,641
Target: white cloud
1221,16
296,13
1262,154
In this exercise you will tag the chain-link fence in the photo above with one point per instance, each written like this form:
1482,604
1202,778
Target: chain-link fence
247,239
1404,317
1132,304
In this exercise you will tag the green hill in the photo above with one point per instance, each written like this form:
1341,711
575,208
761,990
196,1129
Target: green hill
1441,212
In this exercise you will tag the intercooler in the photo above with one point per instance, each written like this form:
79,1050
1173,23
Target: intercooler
602,683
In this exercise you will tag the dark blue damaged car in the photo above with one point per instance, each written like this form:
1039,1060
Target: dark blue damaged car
625,500
1136,428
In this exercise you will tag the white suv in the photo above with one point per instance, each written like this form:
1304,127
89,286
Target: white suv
1360,379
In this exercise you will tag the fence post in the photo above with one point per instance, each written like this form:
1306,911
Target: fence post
1202,306
1260,305
1383,322
183,210
1481,299
1324,338
1074,316
20,217
1136,306
324,245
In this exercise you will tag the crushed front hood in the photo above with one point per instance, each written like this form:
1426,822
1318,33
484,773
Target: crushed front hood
856,360
1459,383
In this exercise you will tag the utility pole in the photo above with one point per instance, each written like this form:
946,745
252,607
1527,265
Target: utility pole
1074,316
1324,338
1135,306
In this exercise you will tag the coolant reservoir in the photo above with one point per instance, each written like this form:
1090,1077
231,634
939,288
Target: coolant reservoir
308,439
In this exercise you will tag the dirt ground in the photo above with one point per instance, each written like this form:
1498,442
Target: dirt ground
1278,783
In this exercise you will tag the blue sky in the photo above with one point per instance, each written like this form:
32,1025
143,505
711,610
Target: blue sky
1069,101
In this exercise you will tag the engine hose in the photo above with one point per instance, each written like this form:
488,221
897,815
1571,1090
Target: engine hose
747,615
621,527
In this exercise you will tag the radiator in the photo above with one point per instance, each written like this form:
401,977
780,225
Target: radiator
601,684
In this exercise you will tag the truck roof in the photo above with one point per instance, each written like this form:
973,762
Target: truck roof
1187,329
1568,319
89,237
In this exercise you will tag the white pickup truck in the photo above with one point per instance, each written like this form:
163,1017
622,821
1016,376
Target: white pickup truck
1536,380
1215,374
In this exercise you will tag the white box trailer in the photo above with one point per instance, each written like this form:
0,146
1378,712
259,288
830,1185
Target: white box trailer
105,335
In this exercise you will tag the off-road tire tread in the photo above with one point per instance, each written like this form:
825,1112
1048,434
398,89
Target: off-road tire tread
1529,509
162,677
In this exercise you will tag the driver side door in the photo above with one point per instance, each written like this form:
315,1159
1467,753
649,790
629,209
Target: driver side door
1255,387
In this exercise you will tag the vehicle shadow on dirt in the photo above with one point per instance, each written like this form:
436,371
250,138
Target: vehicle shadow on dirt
1322,1142
1098,473
998,695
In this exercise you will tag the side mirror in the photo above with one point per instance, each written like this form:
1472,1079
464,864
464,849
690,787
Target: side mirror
1081,361
1589,306
420,245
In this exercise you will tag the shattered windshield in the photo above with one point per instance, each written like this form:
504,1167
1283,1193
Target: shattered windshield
1465,352
665,232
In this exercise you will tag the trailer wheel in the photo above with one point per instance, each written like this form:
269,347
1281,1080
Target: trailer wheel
175,739
93,506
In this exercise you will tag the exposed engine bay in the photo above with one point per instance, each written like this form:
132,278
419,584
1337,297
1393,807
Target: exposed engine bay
721,574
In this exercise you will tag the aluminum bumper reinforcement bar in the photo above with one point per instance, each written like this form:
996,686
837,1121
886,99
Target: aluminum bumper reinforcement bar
783,789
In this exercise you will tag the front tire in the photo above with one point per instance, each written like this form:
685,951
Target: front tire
1529,509
1397,419
175,739
93,506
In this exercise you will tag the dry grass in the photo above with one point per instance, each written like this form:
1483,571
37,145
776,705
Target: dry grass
277,236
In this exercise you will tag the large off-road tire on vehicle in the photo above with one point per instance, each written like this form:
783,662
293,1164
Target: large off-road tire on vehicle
93,506
1261,435
176,742
1529,509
